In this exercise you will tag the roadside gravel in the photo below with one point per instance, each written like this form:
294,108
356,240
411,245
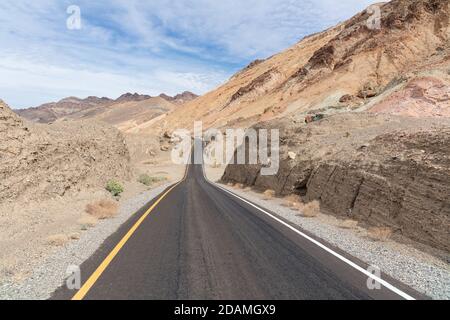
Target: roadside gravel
421,271
46,278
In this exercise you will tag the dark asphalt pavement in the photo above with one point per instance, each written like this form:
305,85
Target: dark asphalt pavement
200,242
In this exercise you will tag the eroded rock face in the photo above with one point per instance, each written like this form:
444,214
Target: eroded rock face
42,161
379,169
407,188
421,97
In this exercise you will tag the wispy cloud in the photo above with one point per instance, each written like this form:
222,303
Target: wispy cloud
146,46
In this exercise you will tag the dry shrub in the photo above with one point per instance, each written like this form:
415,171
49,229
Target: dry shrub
292,201
239,186
311,209
348,224
74,236
57,240
230,184
298,206
379,233
269,194
103,209
88,221
247,189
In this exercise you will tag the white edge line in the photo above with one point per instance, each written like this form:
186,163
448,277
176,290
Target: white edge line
337,255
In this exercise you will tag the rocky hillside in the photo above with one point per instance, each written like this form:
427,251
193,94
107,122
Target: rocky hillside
379,169
350,67
381,153
39,162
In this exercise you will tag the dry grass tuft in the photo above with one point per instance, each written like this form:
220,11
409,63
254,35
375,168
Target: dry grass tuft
268,194
348,224
57,240
230,184
293,201
87,222
311,209
74,236
103,209
379,233
247,189
298,206
239,186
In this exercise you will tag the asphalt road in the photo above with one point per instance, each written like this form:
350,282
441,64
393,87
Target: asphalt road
200,242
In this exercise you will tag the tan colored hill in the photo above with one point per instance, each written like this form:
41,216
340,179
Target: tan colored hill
346,68
40,162
126,115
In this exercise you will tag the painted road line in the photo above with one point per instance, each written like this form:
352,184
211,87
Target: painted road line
321,245
97,273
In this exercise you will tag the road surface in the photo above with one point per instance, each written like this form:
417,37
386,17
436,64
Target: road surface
197,241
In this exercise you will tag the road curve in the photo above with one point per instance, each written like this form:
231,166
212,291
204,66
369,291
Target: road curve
199,242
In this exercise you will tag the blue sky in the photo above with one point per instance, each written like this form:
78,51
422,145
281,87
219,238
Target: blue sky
146,46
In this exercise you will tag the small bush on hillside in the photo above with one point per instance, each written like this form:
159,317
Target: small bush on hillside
268,194
312,209
379,233
103,209
114,187
57,240
292,201
87,222
147,180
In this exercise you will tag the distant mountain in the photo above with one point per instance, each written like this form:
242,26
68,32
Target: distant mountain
90,107
52,111
132,97
180,98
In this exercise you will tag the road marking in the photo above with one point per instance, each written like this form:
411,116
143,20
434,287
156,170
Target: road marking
99,271
324,247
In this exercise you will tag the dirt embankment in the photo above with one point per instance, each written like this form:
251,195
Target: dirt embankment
44,161
379,169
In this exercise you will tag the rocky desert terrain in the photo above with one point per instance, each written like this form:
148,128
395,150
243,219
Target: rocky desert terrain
49,173
347,68
375,146
380,154
377,169
45,161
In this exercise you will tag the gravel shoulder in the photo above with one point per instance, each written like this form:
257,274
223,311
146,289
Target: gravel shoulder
51,272
421,271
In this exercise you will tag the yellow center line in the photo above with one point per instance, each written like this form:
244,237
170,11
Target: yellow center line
97,273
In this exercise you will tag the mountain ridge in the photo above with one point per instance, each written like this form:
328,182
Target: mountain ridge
66,107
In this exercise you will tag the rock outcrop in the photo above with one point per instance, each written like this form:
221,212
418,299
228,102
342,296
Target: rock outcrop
44,161
379,169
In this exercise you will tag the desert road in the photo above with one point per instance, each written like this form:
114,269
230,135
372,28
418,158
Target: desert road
198,241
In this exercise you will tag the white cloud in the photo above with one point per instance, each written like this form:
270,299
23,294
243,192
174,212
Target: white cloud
28,80
146,46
